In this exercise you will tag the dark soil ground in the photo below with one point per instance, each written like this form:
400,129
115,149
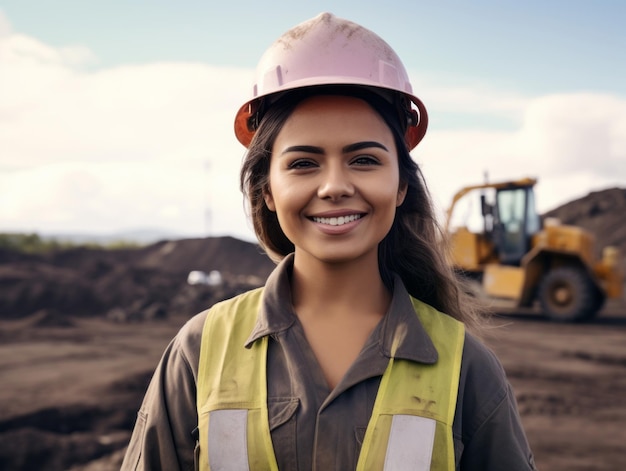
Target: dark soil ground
570,384
70,392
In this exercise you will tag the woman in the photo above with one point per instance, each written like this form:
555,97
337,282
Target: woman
344,360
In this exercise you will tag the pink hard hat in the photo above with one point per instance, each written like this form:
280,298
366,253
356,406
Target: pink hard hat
327,50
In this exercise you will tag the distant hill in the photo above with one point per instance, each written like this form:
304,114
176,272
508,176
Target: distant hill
139,236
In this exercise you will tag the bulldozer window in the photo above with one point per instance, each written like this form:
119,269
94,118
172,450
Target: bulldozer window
511,231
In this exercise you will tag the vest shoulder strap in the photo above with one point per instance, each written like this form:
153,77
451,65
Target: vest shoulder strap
226,329
411,424
231,390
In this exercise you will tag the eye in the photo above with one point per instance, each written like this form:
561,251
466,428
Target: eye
365,160
301,164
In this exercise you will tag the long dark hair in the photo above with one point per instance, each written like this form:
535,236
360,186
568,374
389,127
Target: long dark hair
415,248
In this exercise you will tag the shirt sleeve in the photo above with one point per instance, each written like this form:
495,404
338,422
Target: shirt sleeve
493,436
163,437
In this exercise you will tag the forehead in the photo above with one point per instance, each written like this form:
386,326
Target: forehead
336,116
339,104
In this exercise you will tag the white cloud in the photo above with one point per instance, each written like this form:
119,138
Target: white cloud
142,112
579,132
573,143
114,149
107,197
19,49
152,145
470,99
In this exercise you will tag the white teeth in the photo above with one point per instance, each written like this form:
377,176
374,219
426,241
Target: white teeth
338,221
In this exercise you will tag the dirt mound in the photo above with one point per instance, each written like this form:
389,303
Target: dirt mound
129,284
226,254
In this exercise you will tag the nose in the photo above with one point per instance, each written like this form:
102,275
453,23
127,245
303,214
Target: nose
335,183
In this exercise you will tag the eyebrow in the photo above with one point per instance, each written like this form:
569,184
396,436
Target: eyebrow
349,148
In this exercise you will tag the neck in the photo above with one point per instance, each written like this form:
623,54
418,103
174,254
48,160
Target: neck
339,289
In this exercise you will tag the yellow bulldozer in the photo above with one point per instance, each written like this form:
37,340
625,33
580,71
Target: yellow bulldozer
516,256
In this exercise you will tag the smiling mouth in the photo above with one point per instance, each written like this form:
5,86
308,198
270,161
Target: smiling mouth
338,221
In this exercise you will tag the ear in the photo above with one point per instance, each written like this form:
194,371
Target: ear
402,191
269,200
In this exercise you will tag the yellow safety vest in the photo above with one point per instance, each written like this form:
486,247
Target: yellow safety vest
410,426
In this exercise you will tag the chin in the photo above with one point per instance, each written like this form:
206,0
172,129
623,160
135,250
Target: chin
346,256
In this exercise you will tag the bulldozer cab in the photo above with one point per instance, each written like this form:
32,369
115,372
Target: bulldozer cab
511,222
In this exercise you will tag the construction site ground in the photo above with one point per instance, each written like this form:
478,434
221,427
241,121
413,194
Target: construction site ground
70,390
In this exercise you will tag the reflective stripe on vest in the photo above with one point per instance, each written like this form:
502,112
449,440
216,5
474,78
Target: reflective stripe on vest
228,444
416,451
410,426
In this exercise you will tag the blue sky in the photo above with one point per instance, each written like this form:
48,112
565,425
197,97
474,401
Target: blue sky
118,115
540,46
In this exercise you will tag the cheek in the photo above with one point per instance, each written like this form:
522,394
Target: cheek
283,193
394,191
279,196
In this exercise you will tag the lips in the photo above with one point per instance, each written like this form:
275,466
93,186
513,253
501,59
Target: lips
338,220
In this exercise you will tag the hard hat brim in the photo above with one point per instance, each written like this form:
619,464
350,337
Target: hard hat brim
245,133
